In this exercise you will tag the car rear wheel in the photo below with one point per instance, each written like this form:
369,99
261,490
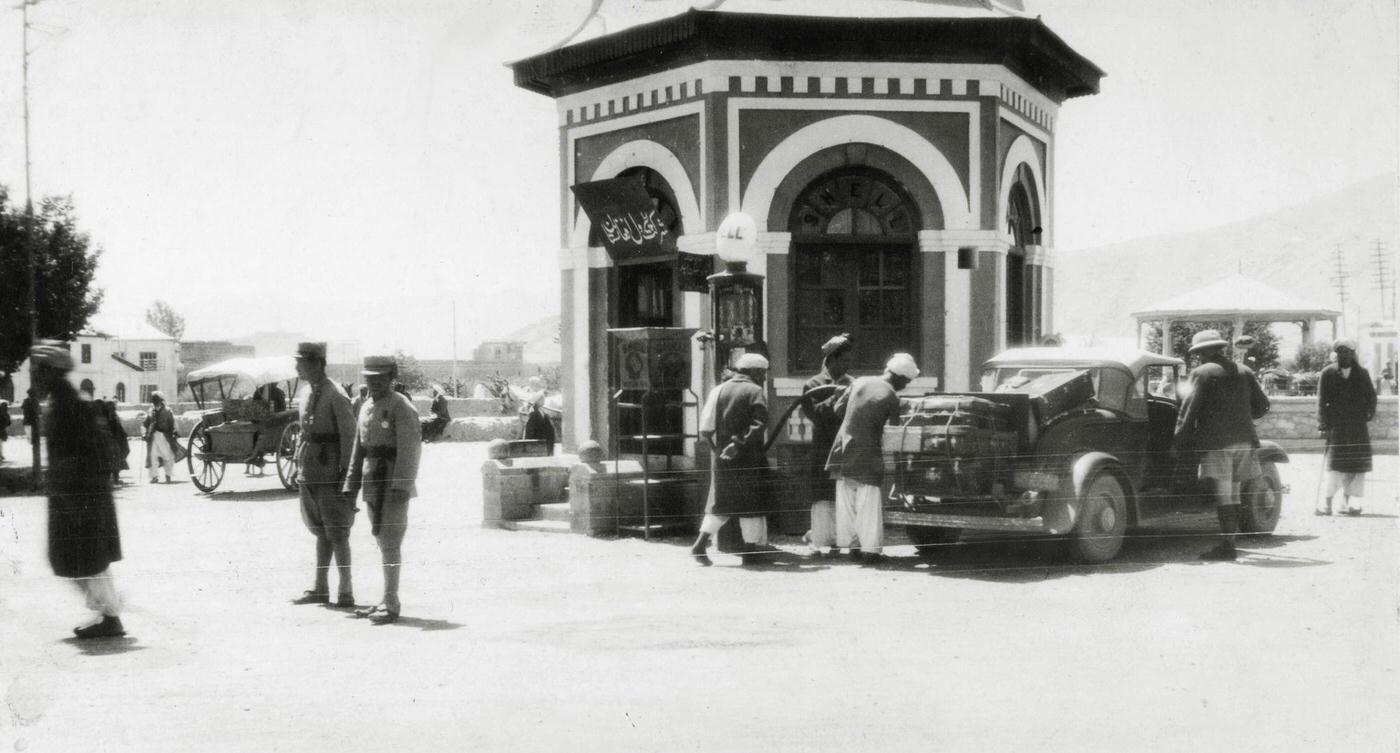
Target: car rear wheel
1261,500
932,543
1103,519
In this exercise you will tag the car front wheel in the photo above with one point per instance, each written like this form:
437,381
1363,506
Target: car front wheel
1261,500
1103,519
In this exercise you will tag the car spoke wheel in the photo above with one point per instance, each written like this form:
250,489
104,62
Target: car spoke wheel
1262,500
204,472
287,468
1103,519
932,543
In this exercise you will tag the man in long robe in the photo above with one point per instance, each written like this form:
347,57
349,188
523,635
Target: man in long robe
83,536
820,395
855,461
735,423
1346,402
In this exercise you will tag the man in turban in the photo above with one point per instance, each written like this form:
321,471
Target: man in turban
1346,402
855,460
819,397
83,535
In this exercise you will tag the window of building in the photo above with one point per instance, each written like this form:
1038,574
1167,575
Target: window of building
146,390
87,353
119,394
854,236
148,360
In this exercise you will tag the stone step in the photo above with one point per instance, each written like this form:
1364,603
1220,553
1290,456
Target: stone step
558,511
538,526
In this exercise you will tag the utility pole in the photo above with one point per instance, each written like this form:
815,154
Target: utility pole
454,348
1339,279
29,233
1385,277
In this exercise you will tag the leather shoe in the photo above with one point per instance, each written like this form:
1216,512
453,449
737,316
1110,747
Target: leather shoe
109,627
345,601
312,597
384,617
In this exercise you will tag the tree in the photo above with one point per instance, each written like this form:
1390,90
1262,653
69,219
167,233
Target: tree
410,373
64,266
1264,351
165,319
1311,357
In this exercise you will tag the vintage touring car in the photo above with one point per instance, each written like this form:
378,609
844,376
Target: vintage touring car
1067,442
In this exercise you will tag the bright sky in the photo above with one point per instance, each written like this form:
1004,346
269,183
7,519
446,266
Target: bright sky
349,169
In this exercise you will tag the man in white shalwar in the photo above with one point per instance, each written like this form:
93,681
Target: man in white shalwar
855,461
160,439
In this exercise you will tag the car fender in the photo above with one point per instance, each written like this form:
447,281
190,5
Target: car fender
1061,512
1271,452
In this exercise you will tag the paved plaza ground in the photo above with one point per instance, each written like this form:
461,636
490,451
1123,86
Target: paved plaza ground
529,641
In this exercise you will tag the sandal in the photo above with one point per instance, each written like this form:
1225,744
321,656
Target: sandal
371,611
384,617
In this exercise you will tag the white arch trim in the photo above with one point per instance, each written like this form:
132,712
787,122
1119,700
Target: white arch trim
1022,151
644,153
847,129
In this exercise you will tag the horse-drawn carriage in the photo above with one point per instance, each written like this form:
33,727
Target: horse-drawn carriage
249,421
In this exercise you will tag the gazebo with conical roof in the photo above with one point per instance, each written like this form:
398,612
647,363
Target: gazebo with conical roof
1238,300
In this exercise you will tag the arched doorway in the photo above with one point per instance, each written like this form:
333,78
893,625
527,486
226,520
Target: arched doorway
1022,224
119,394
87,386
854,243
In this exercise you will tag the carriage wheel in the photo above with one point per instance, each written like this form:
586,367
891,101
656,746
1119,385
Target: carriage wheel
204,472
287,469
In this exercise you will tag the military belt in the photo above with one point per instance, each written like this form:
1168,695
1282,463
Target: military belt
326,438
382,453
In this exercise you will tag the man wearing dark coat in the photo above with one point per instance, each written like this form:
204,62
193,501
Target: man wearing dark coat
1346,402
734,422
819,398
83,536
856,462
1217,422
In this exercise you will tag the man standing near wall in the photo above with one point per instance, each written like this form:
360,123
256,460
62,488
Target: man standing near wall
735,421
855,461
1217,421
384,463
1346,402
819,398
323,454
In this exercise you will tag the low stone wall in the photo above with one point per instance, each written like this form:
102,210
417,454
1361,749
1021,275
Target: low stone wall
1292,422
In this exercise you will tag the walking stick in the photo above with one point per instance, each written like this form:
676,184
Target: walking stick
1322,473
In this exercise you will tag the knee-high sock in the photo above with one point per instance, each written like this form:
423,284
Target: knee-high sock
341,548
323,565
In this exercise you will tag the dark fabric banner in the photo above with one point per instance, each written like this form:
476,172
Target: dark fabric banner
626,219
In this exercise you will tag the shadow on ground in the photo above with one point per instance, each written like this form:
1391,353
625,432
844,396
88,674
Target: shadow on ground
105,646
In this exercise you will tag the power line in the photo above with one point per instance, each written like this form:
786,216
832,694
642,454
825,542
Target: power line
1339,277
1385,277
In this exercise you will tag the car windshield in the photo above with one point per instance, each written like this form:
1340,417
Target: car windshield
1112,387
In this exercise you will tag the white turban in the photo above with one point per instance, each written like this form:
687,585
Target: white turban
902,364
751,361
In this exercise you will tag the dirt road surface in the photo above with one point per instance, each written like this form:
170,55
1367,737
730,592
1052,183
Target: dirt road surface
528,641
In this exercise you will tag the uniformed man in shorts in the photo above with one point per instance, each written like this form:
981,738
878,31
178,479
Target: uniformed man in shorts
323,454
384,465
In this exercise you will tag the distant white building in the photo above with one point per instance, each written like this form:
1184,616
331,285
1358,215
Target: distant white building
125,367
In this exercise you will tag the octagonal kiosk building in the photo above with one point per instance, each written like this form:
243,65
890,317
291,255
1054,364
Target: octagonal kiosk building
897,165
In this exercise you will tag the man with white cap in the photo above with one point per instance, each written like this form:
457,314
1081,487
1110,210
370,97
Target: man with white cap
1346,402
855,460
160,439
384,463
1217,422
819,397
734,422
323,454
83,536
